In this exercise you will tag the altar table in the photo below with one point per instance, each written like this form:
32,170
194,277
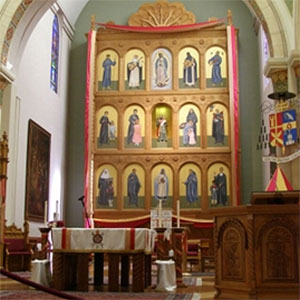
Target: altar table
72,248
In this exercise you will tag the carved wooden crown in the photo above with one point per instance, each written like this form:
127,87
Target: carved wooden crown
161,13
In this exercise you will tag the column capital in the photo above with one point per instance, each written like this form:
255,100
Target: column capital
277,70
275,65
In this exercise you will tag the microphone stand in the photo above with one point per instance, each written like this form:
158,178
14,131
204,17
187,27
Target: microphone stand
85,211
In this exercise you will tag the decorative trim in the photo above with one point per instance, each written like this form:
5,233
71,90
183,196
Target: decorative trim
237,224
278,221
161,13
12,27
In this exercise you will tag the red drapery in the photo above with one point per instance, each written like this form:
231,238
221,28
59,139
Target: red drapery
177,28
86,125
133,223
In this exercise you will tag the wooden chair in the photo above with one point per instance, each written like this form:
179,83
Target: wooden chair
207,255
18,250
193,254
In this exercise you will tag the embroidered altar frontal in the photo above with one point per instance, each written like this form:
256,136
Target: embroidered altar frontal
100,240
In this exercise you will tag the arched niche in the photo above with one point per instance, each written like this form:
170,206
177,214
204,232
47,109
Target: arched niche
218,179
161,69
189,126
188,68
216,67
106,128
134,187
106,185
107,67
217,125
190,186
162,185
134,127
162,126
135,63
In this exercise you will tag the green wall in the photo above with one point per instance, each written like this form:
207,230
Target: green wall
119,12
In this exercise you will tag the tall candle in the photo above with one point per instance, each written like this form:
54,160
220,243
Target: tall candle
159,212
56,211
178,214
46,213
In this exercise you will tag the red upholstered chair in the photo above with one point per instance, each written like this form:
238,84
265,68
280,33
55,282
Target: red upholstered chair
193,254
18,250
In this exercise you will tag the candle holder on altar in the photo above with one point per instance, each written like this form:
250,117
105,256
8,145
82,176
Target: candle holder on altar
45,242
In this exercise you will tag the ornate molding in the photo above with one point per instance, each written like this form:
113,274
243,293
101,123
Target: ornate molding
161,13
280,221
237,225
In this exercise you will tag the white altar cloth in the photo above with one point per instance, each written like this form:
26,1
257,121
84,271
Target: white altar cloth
103,239
166,275
41,272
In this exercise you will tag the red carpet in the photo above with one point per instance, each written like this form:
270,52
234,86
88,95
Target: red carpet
37,295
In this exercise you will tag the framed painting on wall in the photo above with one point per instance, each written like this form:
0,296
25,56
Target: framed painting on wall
37,172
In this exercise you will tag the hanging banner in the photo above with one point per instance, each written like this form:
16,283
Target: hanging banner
276,130
289,126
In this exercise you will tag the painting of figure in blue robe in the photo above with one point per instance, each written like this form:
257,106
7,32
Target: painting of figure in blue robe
216,68
107,71
190,187
191,184
133,187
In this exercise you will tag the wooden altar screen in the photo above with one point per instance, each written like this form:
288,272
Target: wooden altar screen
161,114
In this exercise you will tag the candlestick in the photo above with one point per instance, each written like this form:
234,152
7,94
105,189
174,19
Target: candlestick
159,212
178,214
46,213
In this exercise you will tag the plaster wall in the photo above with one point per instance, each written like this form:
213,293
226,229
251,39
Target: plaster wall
39,103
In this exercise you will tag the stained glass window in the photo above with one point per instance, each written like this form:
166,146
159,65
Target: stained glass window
54,54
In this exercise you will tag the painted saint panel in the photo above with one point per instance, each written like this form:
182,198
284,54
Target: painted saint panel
217,126
162,126
106,127
218,179
190,186
134,127
134,187
134,70
161,78
106,187
108,71
189,126
162,186
188,64
216,68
